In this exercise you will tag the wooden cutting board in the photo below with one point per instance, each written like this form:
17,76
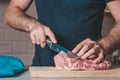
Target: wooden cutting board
54,72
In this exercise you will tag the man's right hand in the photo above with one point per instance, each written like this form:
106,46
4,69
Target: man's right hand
17,18
39,33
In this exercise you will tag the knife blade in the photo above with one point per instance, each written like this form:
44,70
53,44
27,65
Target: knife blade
58,48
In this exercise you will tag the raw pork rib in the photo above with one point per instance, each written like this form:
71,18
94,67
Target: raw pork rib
62,61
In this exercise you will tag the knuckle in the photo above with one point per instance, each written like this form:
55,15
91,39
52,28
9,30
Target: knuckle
92,42
43,41
96,47
89,45
79,45
51,34
47,29
88,39
41,28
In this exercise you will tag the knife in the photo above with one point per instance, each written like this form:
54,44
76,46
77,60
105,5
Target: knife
58,48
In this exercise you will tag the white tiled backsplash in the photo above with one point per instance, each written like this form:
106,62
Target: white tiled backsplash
17,43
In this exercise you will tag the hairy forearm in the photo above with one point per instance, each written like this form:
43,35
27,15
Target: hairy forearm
111,41
18,19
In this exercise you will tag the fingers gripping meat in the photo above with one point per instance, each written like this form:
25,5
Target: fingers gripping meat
62,61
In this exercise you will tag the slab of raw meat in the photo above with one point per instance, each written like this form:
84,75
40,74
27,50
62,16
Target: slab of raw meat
62,61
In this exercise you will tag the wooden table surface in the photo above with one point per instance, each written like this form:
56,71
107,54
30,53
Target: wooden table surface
54,72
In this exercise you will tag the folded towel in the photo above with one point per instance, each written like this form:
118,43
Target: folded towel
9,66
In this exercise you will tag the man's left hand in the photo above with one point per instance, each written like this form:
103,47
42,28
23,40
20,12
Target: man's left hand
89,49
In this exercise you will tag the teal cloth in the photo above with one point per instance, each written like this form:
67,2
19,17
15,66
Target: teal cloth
9,66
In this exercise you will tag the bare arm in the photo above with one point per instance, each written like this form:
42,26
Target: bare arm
16,17
97,49
111,41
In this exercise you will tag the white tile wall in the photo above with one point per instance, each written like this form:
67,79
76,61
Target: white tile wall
5,47
2,32
12,34
20,47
